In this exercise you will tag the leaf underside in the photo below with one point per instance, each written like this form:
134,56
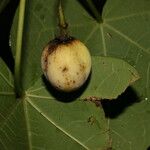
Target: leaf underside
44,119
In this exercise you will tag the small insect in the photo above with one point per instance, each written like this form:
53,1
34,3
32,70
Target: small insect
94,99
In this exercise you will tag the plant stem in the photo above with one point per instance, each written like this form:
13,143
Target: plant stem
62,22
18,83
95,11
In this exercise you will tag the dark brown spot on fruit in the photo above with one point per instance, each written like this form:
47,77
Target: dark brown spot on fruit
65,69
45,57
59,41
74,81
68,83
82,67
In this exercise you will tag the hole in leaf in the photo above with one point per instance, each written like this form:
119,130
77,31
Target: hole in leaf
114,108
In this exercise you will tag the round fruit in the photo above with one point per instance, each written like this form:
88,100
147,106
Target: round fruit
66,63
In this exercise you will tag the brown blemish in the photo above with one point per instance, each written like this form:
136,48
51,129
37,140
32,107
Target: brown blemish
77,73
65,69
74,81
82,67
58,87
91,120
60,41
45,57
53,45
68,83
95,100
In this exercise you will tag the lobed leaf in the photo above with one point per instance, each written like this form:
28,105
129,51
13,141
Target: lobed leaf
42,118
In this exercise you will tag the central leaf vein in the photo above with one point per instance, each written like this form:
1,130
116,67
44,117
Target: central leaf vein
127,38
55,124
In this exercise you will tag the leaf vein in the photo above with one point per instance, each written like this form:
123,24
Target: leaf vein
56,125
38,19
27,124
6,93
34,90
6,80
6,135
127,38
11,114
90,34
4,146
103,40
104,80
127,16
37,96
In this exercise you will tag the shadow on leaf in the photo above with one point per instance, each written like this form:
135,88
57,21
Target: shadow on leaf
99,5
148,148
6,18
114,108
64,96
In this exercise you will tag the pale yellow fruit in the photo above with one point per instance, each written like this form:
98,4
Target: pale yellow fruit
67,64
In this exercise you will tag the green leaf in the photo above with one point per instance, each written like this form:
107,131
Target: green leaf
49,123
3,3
13,132
75,125
6,90
128,24
38,121
121,71
110,77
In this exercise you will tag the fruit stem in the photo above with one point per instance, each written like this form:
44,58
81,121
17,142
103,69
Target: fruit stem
96,13
62,22
17,82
